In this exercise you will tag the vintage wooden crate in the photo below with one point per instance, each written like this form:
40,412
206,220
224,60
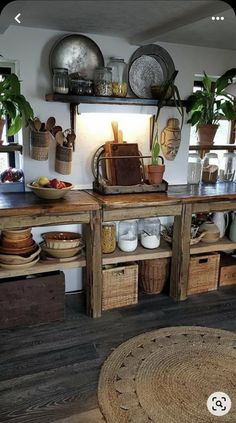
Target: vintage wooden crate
33,299
120,286
203,273
227,270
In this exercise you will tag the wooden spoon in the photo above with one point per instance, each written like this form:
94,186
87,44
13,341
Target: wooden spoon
71,140
60,139
31,125
37,124
56,129
51,122
114,125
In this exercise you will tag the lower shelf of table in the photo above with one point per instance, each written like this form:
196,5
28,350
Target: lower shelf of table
223,244
42,267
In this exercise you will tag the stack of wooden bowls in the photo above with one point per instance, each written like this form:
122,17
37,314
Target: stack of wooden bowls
18,250
62,245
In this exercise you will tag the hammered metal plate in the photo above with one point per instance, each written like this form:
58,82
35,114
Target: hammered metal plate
78,54
149,65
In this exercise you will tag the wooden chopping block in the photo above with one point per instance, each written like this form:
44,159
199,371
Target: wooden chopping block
124,171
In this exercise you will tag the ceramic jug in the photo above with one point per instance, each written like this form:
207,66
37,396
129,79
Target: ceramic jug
232,231
212,233
221,219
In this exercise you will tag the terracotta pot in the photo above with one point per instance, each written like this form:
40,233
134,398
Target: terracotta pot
206,134
155,174
2,123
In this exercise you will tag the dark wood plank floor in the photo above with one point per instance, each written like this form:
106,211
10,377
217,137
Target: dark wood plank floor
50,372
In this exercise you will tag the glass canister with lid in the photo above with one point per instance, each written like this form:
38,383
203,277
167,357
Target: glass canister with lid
119,76
60,81
210,168
103,81
108,237
194,168
227,167
150,233
128,235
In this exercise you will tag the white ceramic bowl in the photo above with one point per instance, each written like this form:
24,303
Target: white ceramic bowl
59,252
51,193
17,259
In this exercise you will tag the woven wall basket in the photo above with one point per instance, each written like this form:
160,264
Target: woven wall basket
63,163
39,144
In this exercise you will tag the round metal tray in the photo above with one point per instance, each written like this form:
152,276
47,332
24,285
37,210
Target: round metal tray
77,53
149,65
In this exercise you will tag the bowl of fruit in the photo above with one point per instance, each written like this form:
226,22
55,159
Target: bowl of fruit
50,189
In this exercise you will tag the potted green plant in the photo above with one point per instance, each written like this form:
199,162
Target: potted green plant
211,104
14,105
162,92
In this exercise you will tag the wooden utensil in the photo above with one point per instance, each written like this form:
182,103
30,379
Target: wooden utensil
120,136
43,127
114,125
51,122
60,139
56,129
31,125
37,124
71,140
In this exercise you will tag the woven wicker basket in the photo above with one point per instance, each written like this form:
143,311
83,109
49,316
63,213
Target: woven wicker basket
193,241
120,286
63,163
153,274
39,143
203,273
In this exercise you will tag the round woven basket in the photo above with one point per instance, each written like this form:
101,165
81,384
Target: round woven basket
153,274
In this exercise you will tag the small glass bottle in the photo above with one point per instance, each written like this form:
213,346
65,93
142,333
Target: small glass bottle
119,77
194,168
210,168
108,237
128,235
103,82
227,167
150,233
60,81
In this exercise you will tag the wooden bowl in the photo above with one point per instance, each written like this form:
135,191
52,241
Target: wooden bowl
51,193
20,243
17,234
19,251
62,240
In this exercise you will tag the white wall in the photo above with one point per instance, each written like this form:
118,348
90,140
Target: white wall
32,47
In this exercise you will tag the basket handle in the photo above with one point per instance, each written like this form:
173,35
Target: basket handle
203,260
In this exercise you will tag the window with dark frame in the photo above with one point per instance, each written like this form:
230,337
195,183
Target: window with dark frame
7,159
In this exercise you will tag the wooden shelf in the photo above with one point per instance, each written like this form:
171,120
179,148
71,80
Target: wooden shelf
42,267
212,147
11,147
76,99
139,254
223,244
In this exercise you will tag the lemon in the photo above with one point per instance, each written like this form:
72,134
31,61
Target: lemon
43,180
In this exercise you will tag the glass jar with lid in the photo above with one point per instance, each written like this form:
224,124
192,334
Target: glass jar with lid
103,82
150,233
194,168
210,168
227,167
128,235
119,76
60,81
108,237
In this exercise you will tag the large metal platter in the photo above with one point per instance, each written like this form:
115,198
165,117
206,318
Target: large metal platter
78,54
149,65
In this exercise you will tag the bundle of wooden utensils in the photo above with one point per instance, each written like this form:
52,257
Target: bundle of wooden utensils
37,126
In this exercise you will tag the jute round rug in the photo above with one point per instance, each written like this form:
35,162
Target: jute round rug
166,376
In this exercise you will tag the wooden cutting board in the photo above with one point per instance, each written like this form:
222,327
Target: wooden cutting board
124,171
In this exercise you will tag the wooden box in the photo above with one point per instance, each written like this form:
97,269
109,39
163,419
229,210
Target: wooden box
33,299
119,286
203,273
227,270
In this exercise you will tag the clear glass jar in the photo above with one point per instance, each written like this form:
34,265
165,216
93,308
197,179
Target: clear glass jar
103,82
150,233
60,81
119,77
128,235
108,237
194,168
210,168
227,167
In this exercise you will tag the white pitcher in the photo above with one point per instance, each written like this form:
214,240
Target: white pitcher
221,219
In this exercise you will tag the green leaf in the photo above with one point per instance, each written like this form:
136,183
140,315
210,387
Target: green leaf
207,83
224,80
15,127
228,110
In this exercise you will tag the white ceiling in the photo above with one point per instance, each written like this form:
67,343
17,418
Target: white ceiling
139,22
